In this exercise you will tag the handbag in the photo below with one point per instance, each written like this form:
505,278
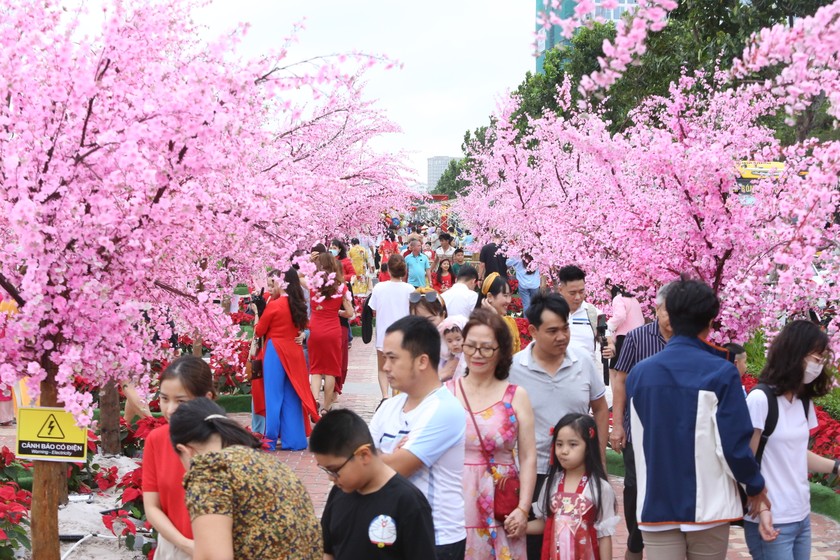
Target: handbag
505,488
256,364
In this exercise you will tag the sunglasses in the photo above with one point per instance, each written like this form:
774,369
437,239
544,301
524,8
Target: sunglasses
415,297
335,472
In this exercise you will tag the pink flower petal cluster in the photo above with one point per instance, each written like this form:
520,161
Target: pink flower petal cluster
629,43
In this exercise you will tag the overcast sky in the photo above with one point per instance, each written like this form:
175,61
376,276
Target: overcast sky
458,56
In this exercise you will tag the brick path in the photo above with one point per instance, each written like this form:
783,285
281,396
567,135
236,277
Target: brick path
362,396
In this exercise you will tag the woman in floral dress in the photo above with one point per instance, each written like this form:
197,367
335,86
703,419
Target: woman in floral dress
504,417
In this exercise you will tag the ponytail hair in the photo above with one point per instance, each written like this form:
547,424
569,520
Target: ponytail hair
196,421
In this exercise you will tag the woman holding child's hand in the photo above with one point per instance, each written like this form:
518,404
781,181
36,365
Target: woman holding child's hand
499,420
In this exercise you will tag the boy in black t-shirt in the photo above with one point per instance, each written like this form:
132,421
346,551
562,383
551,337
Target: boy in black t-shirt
372,512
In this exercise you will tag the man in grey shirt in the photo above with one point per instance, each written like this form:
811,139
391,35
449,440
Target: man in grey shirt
560,380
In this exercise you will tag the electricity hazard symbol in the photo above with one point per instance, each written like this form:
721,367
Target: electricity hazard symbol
51,429
50,434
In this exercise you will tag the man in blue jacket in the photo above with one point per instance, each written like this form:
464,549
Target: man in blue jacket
692,432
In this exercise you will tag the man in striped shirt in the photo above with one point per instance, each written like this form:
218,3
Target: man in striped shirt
640,343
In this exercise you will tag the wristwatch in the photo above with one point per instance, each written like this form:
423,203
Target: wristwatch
836,468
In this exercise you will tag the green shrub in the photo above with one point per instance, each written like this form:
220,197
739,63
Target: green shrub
756,353
831,403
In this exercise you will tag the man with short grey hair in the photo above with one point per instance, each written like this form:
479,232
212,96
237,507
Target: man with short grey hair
419,267
639,344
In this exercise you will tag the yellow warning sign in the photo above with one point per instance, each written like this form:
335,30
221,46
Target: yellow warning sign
51,429
50,434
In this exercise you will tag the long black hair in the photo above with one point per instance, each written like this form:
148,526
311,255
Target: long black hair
439,273
297,300
342,248
785,366
584,426
196,421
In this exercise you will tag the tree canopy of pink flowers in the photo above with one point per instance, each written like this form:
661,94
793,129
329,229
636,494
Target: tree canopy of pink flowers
144,168
661,198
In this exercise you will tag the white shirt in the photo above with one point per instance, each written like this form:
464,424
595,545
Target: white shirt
459,300
784,464
435,429
390,301
582,330
440,253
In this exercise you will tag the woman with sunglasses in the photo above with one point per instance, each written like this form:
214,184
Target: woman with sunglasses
797,374
425,302
499,421
243,502
496,297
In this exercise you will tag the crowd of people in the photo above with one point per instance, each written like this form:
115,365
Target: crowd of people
479,448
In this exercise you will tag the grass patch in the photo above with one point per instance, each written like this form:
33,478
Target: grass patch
234,403
826,501
615,463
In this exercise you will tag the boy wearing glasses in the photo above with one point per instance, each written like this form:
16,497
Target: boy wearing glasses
372,511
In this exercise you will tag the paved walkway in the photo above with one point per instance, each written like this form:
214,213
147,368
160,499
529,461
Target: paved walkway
362,395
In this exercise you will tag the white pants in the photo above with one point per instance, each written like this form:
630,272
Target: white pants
168,551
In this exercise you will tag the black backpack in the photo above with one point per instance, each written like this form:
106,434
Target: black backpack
772,417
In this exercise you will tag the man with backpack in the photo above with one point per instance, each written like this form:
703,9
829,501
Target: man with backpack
583,320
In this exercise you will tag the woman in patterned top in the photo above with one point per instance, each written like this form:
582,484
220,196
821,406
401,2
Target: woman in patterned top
243,503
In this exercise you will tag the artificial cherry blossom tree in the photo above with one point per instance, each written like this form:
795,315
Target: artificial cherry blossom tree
146,169
662,199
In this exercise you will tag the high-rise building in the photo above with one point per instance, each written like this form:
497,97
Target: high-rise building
435,167
554,36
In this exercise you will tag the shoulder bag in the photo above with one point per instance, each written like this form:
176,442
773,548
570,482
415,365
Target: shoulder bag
506,489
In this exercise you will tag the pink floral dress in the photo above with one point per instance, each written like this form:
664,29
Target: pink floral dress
486,537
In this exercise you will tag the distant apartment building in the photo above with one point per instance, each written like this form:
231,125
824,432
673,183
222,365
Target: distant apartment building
554,36
435,167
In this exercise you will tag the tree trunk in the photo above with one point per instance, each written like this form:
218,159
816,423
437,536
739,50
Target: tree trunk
49,484
109,418
197,346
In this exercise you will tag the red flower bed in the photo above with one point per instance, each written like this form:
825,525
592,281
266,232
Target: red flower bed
513,283
524,336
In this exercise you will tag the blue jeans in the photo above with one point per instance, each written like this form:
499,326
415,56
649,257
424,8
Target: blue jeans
525,294
793,542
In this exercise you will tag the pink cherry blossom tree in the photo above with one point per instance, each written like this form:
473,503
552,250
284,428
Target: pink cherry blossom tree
661,199
146,169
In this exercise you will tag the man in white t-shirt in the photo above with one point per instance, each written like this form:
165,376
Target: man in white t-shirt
389,301
421,431
461,298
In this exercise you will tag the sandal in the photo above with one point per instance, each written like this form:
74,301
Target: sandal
322,412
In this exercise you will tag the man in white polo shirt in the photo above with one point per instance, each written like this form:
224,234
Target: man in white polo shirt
421,431
461,298
560,378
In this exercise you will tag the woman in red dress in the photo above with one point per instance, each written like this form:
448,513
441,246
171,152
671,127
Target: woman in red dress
325,334
288,401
